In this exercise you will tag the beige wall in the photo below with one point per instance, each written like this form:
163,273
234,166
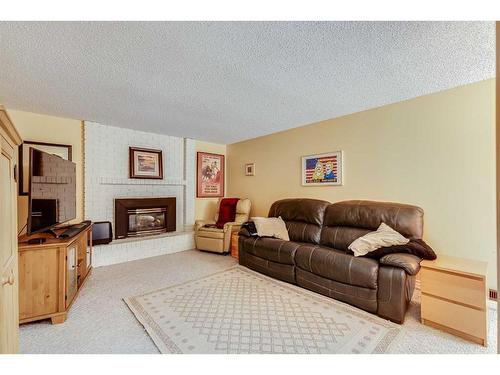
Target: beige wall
50,129
205,207
435,151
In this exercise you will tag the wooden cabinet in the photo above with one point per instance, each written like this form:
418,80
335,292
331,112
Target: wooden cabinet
9,141
454,297
51,274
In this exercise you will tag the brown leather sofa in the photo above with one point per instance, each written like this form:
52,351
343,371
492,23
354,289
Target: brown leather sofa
317,256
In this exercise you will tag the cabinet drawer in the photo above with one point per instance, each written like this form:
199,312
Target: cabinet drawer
462,289
457,317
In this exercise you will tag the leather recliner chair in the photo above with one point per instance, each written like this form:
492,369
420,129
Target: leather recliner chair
219,240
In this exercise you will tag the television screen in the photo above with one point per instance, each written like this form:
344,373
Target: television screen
52,191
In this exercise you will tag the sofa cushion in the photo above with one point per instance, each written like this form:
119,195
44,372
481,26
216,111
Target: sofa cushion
273,249
337,265
303,217
341,237
404,218
285,272
346,221
364,298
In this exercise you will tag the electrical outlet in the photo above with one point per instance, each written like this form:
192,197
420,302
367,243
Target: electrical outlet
493,294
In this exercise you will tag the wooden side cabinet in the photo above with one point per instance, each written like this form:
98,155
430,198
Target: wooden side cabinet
51,275
454,297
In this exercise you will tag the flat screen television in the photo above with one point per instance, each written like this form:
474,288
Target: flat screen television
52,191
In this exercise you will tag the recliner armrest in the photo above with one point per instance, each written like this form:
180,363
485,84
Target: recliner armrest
408,262
200,223
232,226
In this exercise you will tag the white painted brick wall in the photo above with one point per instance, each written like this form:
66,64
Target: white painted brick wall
119,252
190,178
106,178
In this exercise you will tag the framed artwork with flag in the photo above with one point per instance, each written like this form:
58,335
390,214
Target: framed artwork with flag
322,169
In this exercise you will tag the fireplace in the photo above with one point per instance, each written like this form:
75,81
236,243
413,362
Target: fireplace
146,221
135,217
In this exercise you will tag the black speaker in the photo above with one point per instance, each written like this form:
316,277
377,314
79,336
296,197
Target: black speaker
102,233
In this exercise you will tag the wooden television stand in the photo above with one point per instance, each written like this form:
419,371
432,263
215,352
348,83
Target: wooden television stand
51,274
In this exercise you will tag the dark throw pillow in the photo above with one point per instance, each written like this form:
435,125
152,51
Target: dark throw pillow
250,227
416,247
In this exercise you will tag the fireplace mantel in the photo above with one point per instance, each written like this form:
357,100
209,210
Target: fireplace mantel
123,206
129,181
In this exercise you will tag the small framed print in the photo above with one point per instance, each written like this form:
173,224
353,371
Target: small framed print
210,175
145,163
322,169
250,169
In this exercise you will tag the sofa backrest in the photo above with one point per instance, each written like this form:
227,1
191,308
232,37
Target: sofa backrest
348,220
303,217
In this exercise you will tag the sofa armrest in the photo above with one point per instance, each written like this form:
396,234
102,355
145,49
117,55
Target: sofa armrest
244,232
199,223
408,262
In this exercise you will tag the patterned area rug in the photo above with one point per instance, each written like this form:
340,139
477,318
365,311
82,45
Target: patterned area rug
241,311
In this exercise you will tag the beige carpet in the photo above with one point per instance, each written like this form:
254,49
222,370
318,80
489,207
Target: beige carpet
100,322
241,311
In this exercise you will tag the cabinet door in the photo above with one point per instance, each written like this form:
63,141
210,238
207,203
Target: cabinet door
71,272
9,315
39,277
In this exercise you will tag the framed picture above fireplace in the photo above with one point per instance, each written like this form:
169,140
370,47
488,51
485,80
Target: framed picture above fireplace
145,163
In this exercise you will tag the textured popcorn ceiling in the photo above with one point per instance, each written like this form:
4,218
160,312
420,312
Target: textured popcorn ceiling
229,81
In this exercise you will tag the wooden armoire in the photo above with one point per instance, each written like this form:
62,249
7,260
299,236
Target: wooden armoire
9,281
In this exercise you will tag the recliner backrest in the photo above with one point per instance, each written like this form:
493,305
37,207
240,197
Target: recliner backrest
242,210
346,221
303,217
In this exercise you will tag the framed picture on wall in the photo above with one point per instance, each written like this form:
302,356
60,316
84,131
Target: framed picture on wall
210,175
63,151
322,169
145,163
250,169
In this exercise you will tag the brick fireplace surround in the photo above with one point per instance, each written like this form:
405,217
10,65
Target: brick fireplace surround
106,173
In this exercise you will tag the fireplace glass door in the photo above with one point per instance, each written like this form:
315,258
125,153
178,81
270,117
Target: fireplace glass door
146,221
